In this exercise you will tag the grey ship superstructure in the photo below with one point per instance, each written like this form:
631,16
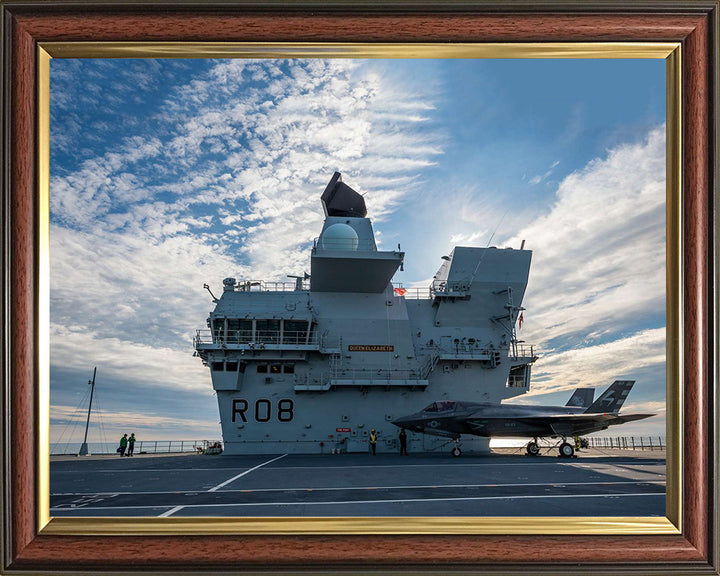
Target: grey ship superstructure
312,366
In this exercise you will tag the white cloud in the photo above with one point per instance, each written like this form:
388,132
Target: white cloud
597,366
76,347
539,178
599,253
129,286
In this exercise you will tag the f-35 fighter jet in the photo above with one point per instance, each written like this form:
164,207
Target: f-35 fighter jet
579,416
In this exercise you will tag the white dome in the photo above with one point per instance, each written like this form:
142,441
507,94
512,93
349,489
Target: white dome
339,237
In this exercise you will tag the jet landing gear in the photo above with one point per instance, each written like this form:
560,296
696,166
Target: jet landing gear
533,448
456,452
566,449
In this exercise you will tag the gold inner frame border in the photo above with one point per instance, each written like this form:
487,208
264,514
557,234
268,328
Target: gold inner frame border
670,524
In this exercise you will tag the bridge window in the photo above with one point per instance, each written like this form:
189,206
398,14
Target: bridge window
262,368
518,377
218,366
275,369
288,368
218,329
295,331
239,330
267,331
231,366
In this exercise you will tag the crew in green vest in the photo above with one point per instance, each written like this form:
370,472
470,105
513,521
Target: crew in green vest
123,444
131,444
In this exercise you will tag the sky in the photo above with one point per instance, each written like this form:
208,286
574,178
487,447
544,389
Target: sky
168,174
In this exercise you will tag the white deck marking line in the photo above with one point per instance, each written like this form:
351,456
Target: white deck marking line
410,487
444,465
378,501
171,512
215,488
439,464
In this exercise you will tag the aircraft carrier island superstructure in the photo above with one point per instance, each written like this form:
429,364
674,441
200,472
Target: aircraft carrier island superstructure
314,365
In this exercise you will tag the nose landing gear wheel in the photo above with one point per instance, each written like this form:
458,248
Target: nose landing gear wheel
456,451
533,449
566,450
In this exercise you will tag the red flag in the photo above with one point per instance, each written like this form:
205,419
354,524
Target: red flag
399,291
520,321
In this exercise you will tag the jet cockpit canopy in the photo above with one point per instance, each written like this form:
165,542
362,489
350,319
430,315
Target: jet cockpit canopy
443,406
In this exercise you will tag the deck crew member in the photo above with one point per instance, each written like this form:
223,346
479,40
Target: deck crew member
131,444
403,442
373,440
123,444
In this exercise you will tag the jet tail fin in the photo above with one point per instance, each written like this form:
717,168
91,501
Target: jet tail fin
612,399
581,398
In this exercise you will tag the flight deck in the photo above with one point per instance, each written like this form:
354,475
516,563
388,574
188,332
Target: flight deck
508,483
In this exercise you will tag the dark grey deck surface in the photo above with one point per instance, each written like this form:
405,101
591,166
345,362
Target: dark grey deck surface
593,484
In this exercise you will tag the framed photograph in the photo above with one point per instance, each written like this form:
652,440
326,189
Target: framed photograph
682,35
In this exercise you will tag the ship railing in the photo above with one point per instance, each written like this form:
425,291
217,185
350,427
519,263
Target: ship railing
413,293
260,338
627,442
265,286
437,288
141,447
522,350
464,347
449,289
346,244
468,348
372,374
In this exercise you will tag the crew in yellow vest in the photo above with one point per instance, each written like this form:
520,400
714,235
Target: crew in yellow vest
373,440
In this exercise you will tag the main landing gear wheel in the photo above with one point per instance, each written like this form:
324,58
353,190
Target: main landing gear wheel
456,451
566,450
533,449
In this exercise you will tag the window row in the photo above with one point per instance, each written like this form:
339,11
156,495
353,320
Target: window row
245,331
226,367
232,366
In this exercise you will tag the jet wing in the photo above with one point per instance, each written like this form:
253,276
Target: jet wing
566,424
623,418
574,424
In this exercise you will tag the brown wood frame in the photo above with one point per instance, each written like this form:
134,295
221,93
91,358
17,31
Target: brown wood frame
692,23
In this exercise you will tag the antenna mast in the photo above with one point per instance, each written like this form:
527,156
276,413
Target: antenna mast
84,447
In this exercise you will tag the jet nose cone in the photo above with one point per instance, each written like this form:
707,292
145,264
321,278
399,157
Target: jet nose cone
401,422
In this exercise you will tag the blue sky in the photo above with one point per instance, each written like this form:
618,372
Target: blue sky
166,174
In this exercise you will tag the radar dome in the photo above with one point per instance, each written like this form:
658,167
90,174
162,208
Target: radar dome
339,237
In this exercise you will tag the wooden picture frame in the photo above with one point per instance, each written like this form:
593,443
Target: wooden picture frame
28,546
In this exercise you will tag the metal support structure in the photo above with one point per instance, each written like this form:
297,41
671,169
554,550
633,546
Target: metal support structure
84,447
